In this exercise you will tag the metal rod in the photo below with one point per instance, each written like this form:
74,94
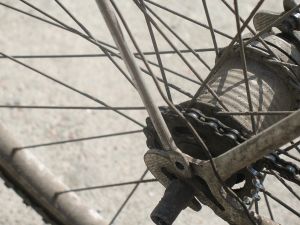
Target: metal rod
109,186
145,94
86,95
169,28
95,55
225,54
40,186
184,59
187,18
267,113
244,65
258,146
158,58
211,28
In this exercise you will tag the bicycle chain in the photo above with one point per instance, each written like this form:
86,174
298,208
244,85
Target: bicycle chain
213,128
287,170
218,127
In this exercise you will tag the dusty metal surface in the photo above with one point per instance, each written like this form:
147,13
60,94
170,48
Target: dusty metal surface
260,145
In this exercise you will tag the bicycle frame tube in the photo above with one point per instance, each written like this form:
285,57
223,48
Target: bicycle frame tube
257,147
136,74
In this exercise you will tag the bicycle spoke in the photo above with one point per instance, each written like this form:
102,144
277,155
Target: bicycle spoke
256,206
64,27
104,49
89,55
96,42
182,57
282,181
69,107
169,41
210,27
166,52
71,88
244,63
282,203
268,206
31,15
149,70
109,186
75,31
78,140
225,53
43,12
146,71
174,33
199,139
159,60
110,57
105,45
74,18
289,155
69,29
174,72
252,31
187,18
295,145
129,196
267,113
88,33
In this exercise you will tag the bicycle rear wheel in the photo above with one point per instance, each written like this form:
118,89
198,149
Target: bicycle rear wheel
185,90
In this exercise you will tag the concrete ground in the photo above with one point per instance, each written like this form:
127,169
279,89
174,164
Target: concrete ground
99,161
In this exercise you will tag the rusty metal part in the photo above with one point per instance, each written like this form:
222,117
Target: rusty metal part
257,147
176,198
